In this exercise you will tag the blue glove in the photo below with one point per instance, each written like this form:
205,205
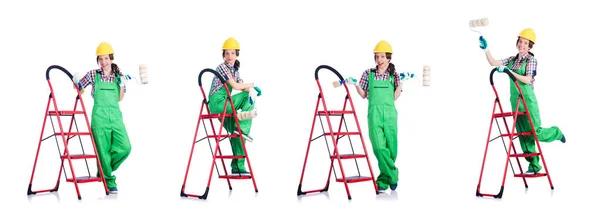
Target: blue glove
351,81
482,43
258,90
406,75
502,69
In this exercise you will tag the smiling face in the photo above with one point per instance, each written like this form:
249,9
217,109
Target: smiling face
104,62
523,46
382,60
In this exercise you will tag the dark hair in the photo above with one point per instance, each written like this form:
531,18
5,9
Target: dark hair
236,65
530,45
391,66
113,66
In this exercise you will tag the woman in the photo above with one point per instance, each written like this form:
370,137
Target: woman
229,70
524,67
110,135
382,86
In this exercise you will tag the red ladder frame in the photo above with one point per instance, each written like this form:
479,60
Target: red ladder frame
511,135
335,136
66,136
220,136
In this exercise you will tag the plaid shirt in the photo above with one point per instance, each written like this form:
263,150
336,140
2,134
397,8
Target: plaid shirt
530,68
364,80
227,72
89,78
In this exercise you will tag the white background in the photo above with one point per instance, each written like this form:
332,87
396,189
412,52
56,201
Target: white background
442,128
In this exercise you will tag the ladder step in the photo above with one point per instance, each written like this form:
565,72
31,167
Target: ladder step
530,175
65,113
230,156
236,176
517,134
525,155
350,156
507,114
84,179
341,133
335,113
354,179
214,116
79,156
72,133
217,136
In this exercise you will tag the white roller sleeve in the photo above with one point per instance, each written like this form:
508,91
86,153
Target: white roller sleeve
143,74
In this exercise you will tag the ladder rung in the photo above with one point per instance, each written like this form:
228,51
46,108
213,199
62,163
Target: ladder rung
79,156
341,133
217,136
84,179
530,175
354,179
72,133
236,176
230,156
65,113
213,116
517,134
525,155
335,113
350,156
507,114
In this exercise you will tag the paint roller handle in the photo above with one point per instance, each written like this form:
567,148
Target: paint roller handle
501,69
329,68
210,71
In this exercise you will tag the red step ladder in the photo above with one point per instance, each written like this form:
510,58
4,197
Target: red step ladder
511,135
66,136
218,138
335,137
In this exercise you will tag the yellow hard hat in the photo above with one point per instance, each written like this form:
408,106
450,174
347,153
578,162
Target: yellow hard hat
231,43
528,34
104,49
383,47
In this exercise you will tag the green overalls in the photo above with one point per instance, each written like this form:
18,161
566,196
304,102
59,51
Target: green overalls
383,128
528,144
240,101
108,128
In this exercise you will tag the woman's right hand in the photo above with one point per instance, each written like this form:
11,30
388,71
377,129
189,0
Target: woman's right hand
482,43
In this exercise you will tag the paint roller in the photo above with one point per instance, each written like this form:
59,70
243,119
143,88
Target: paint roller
143,75
479,23
407,75
426,75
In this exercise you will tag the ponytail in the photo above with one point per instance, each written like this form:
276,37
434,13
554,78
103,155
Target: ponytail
391,69
116,69
236,65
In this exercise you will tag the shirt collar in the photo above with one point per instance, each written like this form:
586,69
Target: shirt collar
523,57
